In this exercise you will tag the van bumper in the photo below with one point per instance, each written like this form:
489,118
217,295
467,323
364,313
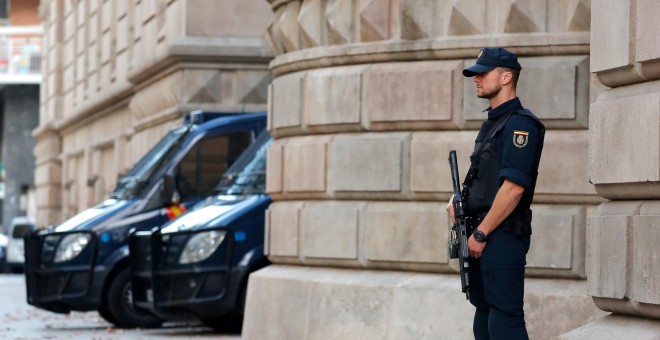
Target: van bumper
74,285
164,287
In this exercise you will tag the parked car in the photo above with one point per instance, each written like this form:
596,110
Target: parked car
82,264
19,227
199,263
3,252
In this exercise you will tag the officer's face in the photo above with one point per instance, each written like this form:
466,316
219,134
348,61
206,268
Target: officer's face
488,83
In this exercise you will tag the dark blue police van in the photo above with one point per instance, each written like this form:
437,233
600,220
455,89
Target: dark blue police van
198,264
83,264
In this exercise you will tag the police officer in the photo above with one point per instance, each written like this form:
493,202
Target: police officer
502,178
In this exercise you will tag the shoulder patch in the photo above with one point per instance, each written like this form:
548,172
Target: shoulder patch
520,138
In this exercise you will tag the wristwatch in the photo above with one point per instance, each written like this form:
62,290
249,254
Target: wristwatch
479,236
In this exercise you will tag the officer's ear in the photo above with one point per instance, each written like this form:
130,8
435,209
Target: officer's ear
506,76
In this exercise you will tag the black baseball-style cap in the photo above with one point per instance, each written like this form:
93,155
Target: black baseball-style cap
490,58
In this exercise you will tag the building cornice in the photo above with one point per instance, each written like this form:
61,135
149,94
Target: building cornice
448,48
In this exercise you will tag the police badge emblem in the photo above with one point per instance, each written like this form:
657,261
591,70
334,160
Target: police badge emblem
520,138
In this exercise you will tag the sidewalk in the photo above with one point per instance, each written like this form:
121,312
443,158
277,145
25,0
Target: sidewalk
18,320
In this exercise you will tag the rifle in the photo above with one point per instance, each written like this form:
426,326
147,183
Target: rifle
458,247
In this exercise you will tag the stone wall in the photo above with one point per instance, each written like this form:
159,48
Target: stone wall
367,100
118,74
623,236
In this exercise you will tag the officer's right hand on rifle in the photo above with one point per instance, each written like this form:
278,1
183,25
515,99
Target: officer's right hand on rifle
450,210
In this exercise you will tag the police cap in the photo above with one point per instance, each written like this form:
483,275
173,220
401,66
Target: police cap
490,58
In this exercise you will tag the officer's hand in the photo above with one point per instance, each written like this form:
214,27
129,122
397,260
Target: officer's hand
475,248
450,210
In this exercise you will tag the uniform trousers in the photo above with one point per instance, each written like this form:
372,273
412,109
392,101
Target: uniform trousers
497,287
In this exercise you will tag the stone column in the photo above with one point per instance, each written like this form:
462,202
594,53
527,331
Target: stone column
367,100
623,237
48,164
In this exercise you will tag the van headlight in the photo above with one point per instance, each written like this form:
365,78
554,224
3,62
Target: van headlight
201,246
71,246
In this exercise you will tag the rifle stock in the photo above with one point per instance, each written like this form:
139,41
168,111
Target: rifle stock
458,236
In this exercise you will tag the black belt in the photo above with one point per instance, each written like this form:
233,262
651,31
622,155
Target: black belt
508,225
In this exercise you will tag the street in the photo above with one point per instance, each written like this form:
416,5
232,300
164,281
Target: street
18,320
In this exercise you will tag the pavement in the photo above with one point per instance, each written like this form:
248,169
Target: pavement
18,320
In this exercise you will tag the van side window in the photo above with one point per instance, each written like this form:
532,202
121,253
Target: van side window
203,166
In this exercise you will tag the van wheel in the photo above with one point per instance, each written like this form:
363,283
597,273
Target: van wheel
104,312
120,305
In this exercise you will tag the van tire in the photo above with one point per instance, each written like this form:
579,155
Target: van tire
120,304
104,312
227,324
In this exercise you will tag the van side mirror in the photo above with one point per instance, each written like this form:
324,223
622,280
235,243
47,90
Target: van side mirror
167,191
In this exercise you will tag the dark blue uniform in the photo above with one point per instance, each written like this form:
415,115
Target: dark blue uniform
497,278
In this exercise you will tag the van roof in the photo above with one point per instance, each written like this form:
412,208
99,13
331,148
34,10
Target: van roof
232,118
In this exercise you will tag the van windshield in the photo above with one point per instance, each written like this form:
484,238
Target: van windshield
247,176
132,184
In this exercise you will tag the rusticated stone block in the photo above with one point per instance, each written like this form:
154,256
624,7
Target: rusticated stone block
563,150
273,34
524,16
289,26
293,302
424,19
282,228
378,19
610,34
332,96
607,248
647,39
311,23
329,230
158,96
558,241
645,276
227,18
428,94
429,154
627,126
405,232
48,145
417,19
339,15
558,106
361,308
569,16
305,164
49,196
369,162
616,327
266,317
48,173
286,101
544,297
275,167
645,259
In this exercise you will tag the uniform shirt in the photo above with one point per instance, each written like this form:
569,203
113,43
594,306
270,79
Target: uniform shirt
517,145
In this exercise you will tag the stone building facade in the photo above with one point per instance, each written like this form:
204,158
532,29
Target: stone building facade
118,74
366,100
